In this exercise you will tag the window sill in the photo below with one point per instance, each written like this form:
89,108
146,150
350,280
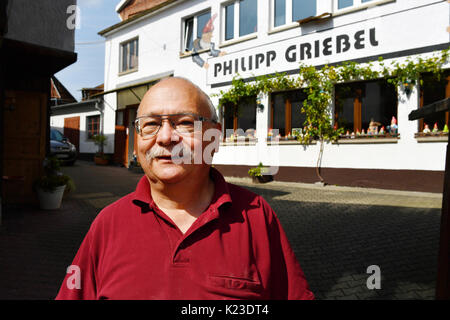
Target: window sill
190,53
238,40
240,142
284,28
282,141
128,72
368,140
360,7
430,137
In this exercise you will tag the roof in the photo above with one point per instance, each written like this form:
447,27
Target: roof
136,16
97,88
122,5
58,91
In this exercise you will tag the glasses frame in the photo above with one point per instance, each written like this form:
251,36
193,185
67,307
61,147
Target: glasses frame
197,117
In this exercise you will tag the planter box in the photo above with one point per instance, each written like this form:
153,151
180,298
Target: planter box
262,179
101,161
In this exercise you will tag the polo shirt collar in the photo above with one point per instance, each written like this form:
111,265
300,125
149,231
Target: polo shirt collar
142,195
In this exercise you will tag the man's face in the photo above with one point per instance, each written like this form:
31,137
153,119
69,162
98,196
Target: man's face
173,96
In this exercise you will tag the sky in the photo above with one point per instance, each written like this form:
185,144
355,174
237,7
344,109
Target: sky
88,71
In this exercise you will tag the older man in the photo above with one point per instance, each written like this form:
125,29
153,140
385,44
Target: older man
185,233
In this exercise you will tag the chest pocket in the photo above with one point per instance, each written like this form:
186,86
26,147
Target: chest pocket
230,287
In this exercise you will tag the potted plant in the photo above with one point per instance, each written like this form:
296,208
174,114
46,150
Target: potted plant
51,186
100,157
259,174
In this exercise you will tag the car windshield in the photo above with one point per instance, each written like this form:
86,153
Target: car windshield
56,135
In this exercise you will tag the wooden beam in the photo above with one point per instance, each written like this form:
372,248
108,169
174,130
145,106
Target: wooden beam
443,274
431,109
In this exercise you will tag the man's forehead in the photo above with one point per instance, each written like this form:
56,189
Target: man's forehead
171,98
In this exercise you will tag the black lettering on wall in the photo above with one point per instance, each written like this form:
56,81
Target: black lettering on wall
228,68
243,64
305,49
359,40
259,59
342,43
316,48
217,68
373,41
250,63
270,56
291,55
327,46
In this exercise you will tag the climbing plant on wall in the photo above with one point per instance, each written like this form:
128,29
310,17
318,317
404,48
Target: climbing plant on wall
319,85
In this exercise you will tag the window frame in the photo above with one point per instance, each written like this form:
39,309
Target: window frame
289,22
235,119
358,108
121,46
357,5
194,28
89,130
236,25
287,112
446,77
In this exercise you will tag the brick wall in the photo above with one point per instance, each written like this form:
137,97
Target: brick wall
136,6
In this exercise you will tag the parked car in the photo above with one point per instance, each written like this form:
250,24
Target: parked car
61,147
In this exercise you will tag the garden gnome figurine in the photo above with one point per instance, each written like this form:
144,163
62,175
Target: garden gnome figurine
426,129
394,127
445,130
435,128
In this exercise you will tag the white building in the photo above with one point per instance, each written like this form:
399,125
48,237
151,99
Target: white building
157,39
81,121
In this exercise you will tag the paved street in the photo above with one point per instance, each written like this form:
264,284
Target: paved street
336,233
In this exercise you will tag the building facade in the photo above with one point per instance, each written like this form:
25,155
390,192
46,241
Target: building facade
81,121
212,42
36,41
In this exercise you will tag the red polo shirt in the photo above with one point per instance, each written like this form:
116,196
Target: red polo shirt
236,249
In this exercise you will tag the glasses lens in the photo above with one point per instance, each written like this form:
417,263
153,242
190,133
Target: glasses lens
184,123
149,125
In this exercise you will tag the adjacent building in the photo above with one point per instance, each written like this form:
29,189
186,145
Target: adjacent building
81,121
36,41
211,42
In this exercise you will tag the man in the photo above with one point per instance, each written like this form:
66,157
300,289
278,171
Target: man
184,233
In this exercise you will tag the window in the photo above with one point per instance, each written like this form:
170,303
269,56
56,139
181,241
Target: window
240,121
194,27
358,104
433,90
92,126
241,18
286,114
343,4
288,11
129,53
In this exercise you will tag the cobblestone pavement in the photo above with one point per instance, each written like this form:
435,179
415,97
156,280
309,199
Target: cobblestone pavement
336,233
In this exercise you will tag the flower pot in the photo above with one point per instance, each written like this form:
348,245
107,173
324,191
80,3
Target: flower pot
262,179
101,161
51,200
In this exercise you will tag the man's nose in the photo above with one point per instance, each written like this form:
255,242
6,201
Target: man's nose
166,134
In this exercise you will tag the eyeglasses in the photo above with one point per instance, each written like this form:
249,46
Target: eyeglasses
183,123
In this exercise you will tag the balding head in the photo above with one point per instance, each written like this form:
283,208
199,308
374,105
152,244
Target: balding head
177,88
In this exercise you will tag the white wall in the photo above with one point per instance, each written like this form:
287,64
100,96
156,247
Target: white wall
86,145
402,26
